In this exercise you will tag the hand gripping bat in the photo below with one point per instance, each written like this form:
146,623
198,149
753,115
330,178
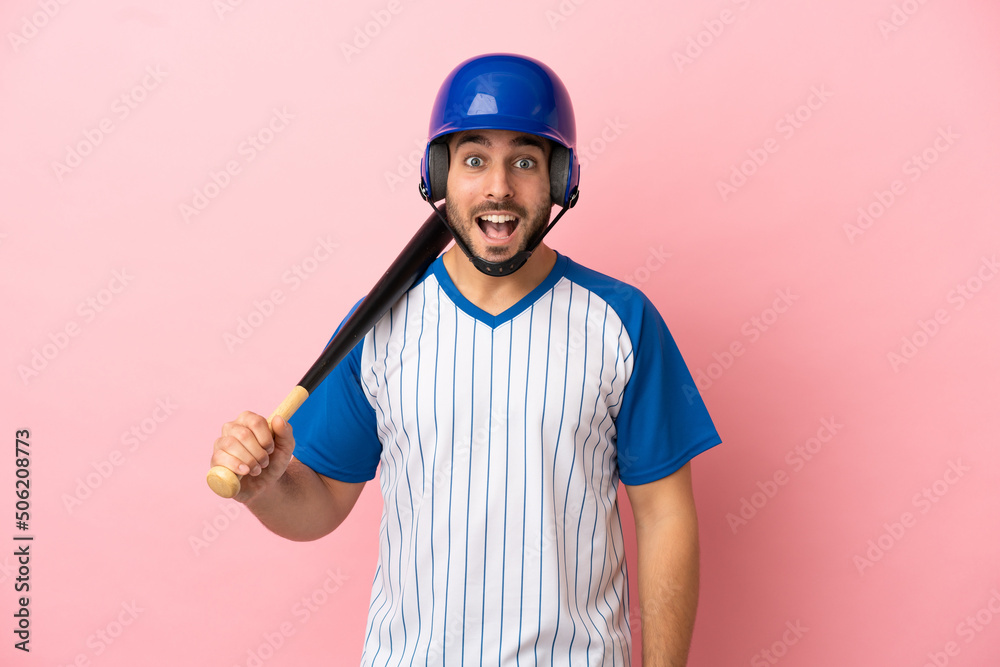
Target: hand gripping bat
432,237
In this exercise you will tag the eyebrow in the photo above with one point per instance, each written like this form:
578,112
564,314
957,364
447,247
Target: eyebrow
519,140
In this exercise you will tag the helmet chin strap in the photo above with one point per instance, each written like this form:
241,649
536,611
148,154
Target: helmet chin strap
511,265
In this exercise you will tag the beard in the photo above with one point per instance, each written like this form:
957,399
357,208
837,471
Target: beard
530,224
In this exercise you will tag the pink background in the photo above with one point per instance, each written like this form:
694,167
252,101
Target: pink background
131,545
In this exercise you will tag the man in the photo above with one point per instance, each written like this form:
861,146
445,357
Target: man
504,397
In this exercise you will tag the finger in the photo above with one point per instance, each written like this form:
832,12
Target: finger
231,454
249,439
284,439
238,449
261,430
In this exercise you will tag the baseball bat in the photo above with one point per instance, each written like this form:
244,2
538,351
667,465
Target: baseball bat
432,237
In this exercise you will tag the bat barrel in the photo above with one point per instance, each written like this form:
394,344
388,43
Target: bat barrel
423,248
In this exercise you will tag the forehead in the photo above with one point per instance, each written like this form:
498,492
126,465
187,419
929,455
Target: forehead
490,139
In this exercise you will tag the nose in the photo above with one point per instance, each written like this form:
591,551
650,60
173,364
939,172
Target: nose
498,184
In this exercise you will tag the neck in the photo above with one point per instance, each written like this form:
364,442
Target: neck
495,294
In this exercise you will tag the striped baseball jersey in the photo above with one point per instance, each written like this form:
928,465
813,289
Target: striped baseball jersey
501,440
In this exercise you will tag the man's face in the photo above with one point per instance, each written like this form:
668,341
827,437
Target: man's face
498,190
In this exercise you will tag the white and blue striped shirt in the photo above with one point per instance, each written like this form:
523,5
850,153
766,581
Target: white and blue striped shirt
502,440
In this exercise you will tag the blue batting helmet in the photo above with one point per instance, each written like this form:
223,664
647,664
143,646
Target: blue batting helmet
503,92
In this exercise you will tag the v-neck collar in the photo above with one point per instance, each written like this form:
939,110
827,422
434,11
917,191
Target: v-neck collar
493,321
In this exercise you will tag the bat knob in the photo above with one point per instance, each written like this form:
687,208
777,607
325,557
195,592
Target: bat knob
223,481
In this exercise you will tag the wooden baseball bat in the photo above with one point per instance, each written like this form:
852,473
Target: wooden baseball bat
432,237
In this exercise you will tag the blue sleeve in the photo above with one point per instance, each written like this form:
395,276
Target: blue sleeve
663,422
335,429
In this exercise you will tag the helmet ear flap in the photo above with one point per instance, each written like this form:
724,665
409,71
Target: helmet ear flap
437,170
559,173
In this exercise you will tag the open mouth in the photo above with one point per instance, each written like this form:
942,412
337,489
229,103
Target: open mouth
498,227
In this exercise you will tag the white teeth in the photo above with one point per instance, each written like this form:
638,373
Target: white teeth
499,217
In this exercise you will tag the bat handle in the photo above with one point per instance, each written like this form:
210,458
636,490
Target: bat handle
226,483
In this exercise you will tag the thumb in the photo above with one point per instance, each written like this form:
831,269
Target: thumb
283,438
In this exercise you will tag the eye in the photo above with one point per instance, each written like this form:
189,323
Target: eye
525,163
474,161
